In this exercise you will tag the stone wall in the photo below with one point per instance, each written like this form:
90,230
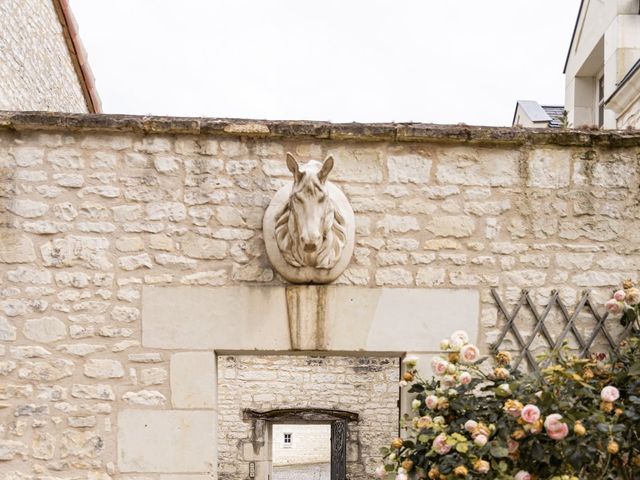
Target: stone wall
365,385
131,256
35,66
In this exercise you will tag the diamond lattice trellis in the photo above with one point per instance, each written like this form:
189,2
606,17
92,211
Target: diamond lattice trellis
570,328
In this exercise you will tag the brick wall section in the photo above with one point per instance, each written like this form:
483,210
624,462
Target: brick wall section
89,215
35,66
365,385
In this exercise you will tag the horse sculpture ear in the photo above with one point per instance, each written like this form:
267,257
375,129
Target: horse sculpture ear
292,165
327,166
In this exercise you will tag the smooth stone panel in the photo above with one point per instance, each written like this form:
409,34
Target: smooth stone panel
174,476
398,319
167,441
193,380
222,318
350,318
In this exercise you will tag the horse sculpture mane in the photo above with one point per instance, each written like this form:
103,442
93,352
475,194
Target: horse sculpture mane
310,229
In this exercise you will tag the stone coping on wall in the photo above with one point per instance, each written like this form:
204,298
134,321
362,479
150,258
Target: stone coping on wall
373,132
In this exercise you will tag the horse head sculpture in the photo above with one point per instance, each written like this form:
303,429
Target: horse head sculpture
312,226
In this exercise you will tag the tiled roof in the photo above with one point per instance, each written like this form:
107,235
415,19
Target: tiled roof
78,55
555,112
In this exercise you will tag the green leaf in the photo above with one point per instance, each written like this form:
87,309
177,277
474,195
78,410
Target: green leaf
462,447
498,451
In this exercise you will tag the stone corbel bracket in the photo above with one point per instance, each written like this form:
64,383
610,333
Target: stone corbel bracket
307,312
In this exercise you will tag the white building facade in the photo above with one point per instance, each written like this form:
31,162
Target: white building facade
602,79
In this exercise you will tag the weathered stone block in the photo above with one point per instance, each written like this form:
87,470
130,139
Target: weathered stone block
167,441
620,172
409,168
218,318
451,226
15,248
357,165
483,167
204,248
146,398
430,277
72,250
193,380
45,329
398,224
549,168
27,208
103,368
360,318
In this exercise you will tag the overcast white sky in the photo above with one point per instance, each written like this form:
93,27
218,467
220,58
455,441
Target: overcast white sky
438,61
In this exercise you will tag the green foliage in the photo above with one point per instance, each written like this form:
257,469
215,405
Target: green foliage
578,418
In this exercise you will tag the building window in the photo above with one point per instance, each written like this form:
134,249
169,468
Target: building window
287,440
601,101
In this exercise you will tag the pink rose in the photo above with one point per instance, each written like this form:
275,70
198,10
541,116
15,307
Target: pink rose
440,444
619,295
480,440
610,394
469,354
424,422
530,413
523,475
465,378
556,429
380,471
614,307
470,425
431,401
440,366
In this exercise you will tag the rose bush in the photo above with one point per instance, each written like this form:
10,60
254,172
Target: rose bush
578,418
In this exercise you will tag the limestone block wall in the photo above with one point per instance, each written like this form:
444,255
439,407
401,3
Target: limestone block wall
131,259
35,66
363,384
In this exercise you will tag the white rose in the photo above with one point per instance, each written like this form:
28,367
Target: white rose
470,425
410,361
461,335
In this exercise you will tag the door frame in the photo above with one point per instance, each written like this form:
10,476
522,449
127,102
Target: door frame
338,419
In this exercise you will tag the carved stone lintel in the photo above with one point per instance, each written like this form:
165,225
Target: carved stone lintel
306,309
